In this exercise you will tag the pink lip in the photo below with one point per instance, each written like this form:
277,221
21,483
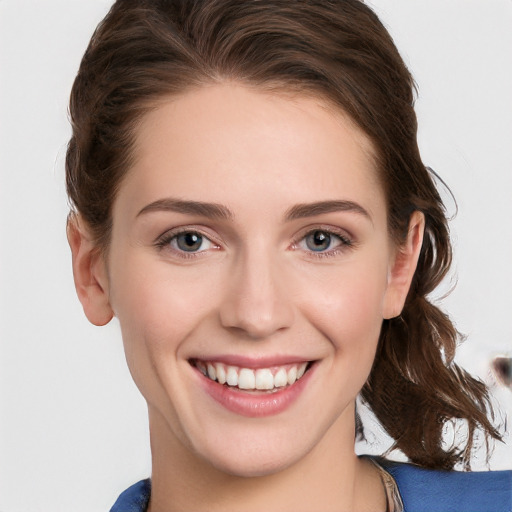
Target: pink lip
254,404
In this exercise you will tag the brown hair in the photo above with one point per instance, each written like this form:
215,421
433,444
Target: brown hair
338,50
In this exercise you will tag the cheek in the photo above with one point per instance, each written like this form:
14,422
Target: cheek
158,301
347,307
157,309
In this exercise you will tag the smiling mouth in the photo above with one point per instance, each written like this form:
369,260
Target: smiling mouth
270,379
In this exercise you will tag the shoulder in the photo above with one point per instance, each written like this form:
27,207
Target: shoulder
424,490
134,499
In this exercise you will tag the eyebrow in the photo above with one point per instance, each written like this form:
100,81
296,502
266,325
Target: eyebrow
301,211
211,210
221,212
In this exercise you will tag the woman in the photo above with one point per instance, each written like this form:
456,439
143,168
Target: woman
250,203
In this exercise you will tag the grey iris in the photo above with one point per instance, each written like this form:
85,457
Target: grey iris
189,242
318,241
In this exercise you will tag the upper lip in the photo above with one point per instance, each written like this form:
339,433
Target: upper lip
253,362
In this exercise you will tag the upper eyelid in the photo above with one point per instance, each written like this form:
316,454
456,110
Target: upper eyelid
173,232
339,232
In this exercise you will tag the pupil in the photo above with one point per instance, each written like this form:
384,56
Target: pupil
318,241
189,241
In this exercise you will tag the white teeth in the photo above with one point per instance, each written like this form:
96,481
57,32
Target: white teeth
232,376
280,378
264,379
221,373
301,370
292,375
211,372
246,379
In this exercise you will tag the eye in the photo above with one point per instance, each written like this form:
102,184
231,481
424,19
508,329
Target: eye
323,241
190,242
186,242
318,241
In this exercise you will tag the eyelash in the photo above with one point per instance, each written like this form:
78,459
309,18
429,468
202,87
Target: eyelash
165,241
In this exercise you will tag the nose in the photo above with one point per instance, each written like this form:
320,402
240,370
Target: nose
257,303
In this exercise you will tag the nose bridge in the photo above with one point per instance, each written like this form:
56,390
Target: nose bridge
256,301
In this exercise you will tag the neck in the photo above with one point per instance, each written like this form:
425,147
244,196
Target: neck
329,478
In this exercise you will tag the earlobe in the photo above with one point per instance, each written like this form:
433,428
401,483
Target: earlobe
403,267
89,273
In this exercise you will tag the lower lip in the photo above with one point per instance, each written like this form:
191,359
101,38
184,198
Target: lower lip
254,404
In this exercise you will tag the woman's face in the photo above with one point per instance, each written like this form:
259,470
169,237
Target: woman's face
250,243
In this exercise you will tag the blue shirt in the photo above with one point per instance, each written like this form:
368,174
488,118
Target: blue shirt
422,490
428,490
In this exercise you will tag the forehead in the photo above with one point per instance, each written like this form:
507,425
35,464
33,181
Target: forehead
230,143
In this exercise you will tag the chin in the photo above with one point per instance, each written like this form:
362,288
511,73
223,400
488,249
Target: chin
251,465
256,451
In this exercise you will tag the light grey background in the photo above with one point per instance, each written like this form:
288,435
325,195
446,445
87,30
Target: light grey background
73,428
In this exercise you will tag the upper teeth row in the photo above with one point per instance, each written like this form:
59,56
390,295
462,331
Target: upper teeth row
246,378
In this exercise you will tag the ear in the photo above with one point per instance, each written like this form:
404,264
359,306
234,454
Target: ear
89,273
403,267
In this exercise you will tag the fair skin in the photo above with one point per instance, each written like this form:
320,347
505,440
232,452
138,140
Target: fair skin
251,231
